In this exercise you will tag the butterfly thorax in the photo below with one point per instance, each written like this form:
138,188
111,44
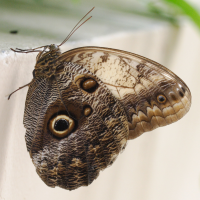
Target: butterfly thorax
46,61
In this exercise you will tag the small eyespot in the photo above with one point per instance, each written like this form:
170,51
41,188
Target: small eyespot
87,111
183,89
61,125
89,85
172,96
161,98
181,94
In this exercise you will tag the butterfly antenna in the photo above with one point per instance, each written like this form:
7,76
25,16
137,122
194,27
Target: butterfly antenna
74,31
75,27
17,90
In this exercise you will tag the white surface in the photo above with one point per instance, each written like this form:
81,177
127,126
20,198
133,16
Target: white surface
163,164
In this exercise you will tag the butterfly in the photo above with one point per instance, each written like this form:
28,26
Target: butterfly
83,105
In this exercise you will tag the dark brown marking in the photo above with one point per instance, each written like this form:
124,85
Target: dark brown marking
104,57
144,71
140,67
165,84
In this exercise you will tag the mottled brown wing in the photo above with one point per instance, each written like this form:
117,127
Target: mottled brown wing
97,126
151,94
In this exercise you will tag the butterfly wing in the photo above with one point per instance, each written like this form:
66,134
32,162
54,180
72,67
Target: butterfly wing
151,94
79,117
75,127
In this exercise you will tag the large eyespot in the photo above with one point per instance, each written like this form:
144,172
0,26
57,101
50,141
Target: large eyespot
161,98
89,85
61,125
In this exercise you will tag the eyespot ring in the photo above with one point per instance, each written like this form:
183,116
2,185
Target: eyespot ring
161,98
61,125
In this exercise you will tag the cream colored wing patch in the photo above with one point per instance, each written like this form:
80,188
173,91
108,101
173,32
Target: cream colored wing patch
151,94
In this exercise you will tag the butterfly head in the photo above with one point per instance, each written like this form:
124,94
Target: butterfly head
49,52
53,47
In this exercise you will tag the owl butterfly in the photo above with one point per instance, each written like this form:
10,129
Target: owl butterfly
83,105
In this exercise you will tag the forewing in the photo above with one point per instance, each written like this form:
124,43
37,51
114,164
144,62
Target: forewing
139,83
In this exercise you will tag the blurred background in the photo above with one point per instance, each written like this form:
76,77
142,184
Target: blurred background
162,164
